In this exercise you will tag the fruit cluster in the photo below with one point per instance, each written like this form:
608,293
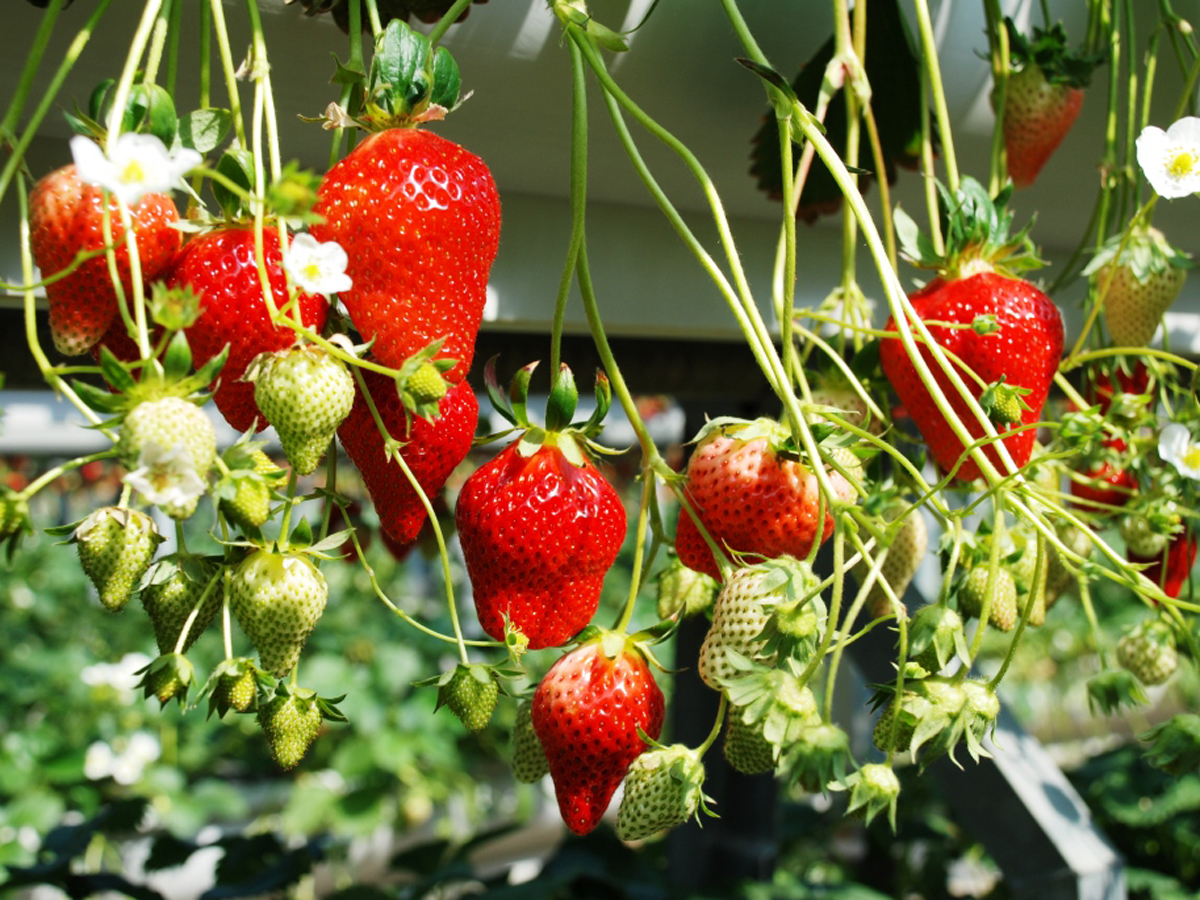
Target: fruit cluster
343,311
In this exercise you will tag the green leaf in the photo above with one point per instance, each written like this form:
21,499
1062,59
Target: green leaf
153,111
205,129
114,371
237,165
564,396
445,79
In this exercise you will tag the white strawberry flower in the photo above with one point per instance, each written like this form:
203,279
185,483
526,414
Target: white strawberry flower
136,165
315,267
166,477
1177,446
126,763
1171,159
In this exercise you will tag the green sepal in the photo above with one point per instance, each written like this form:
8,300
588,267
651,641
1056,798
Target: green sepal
786,104
496,395
398,79
1113,689
97,100
1175,744
237,165
152,110
174,308
332,541
97,398
1048,50
564,397
1145,252
603,391
177,361
445,79
301,536
114,371
167,678
572,12
209,371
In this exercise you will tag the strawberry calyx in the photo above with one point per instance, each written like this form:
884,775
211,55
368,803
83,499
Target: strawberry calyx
574,439
1047,48
1145,251
170,376
978,236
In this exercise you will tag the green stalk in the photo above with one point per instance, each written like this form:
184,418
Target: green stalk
930,55
17,156
998,43
33,60
635,580
231,81
448,18
1039,572
125,83
354,63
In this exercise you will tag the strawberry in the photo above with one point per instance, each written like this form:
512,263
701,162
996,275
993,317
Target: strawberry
1137,277
66,217
835,390
235,684
935,636
684,592
418,215
248,503
291,721
590,711
221,266
430,449
305,394
1042,98
115,547
742,610
873,789
664,788
754,494
277,599
528,758
539,527
1171,568
973,594
170,597
745,748
470,691
909,542
168,678
1106,385
1059,576
997,325
1148,651
1105,483
167,437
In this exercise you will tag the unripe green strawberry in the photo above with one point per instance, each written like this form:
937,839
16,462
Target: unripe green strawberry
14,513
909,545
251,501
168,678
471,695
683,591
745,747
169,600
740,614
426,384
982,707
115,547
873,789
528,759
234,684
1138,293
1024,570
305,394
663,788
291,721
974,591
835,390
892,733
1148,651
818,758
1058,576
169,445
278,598
1141,537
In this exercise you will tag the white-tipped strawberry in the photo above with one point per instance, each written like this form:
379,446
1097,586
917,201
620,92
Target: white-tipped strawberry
305,394
168,444
1138,276
277,599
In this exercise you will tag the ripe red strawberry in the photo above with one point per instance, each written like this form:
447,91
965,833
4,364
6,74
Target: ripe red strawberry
587,712
431,450
1042,99
974,280
1137,276
753,493
1171,569
1105,482
66,216
539,527
220,265
418,215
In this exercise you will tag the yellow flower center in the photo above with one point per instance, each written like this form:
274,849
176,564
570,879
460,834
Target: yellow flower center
312,271
1182,163
133,173
1191,458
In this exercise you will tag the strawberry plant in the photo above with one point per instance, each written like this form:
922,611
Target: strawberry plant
953,460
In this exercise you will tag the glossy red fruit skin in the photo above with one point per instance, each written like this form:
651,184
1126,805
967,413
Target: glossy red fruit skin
220,265
1102,391
586,712
1171,570
67,216
752,501
1027,349
538,534
431,450
419,217
1108,485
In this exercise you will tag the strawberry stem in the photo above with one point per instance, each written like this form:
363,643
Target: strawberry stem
715,731
181,641
930,55
636,568
229,69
